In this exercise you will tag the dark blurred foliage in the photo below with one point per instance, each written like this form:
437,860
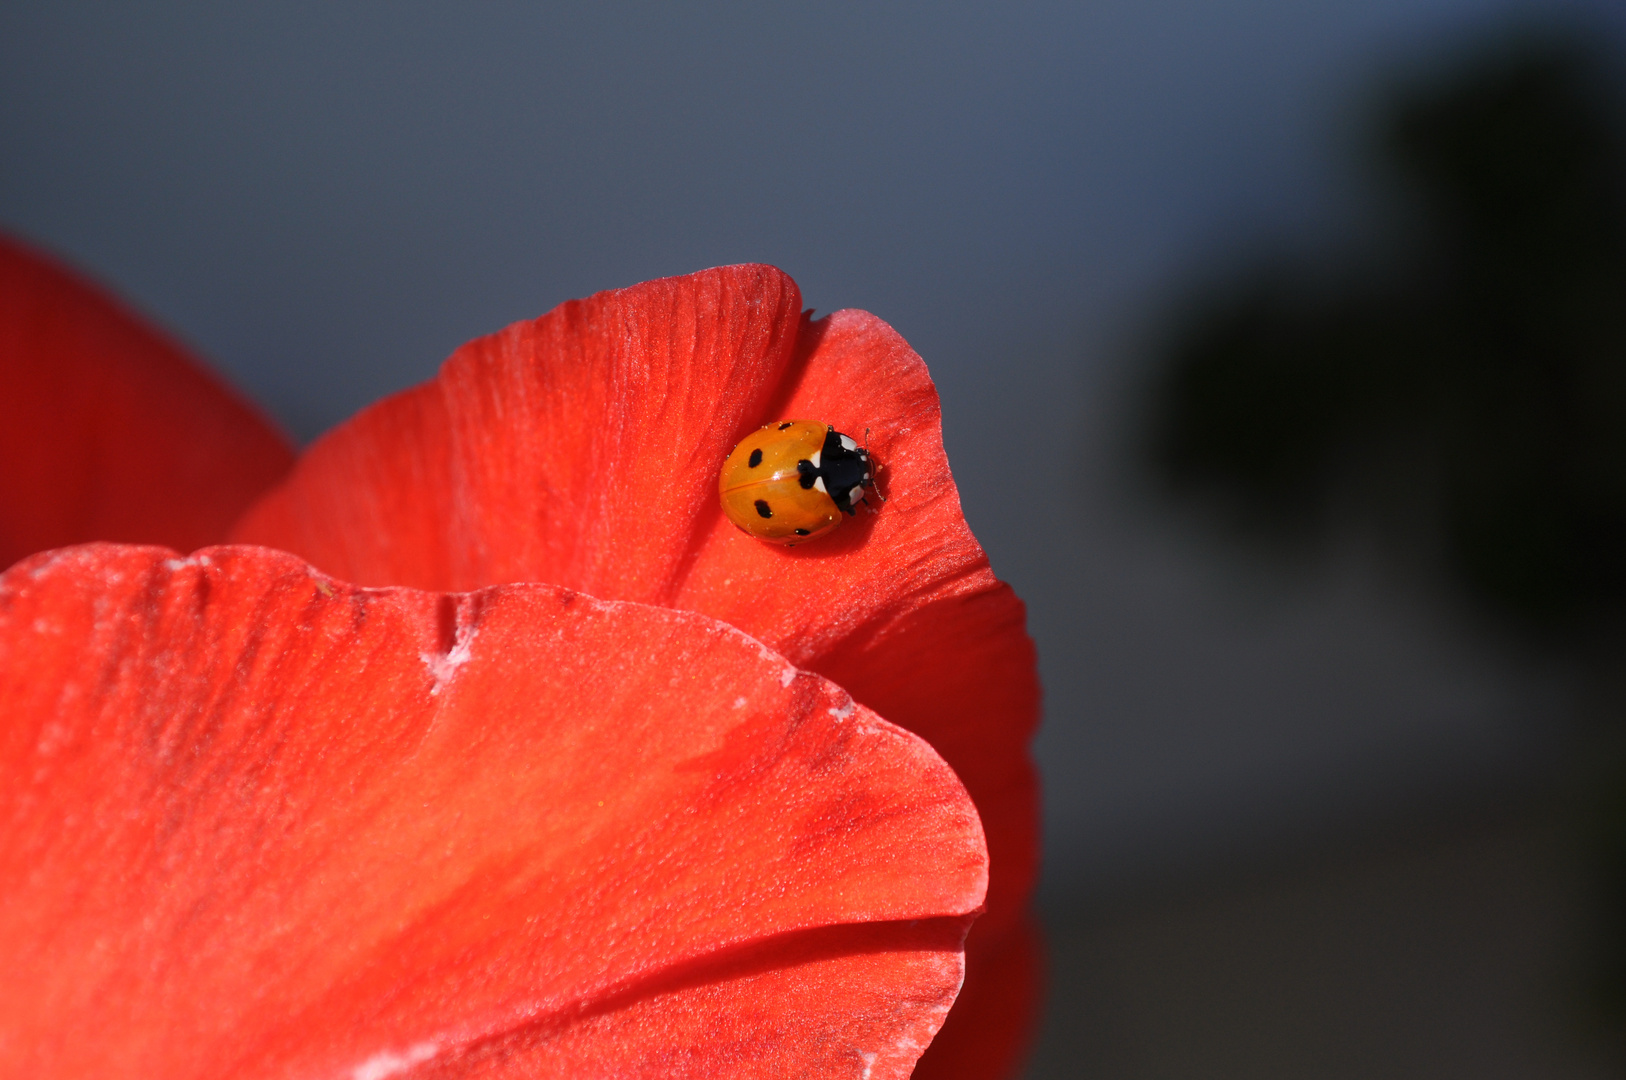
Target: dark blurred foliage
1458,384
1466,384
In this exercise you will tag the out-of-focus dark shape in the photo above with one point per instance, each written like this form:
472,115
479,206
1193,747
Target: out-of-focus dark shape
1466,385
1460,384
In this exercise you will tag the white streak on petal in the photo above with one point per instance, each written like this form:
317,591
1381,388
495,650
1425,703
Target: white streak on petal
388,1063
442,666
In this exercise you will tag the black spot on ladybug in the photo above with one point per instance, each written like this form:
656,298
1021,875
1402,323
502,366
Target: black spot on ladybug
801,532
807,472
756,459
763,508
785,425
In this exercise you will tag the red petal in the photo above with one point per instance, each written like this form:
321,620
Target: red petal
261,823
757,1022
108,429
582,449
988,1032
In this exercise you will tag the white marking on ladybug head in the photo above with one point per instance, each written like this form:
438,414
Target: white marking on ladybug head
856,493
818,482
848,444
815,458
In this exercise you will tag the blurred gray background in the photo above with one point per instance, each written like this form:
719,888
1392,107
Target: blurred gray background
1299,814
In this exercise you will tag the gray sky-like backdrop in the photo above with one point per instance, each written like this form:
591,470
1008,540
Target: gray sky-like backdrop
326,199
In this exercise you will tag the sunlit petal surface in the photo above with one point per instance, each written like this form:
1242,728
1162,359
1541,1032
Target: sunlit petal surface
260,823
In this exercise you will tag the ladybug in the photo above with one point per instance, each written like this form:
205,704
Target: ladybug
792,480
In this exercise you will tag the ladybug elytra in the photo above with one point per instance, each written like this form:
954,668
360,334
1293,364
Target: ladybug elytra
791,481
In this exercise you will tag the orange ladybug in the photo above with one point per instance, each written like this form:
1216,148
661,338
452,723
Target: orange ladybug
792,480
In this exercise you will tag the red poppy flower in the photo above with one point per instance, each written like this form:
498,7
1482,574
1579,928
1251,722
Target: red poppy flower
785,876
